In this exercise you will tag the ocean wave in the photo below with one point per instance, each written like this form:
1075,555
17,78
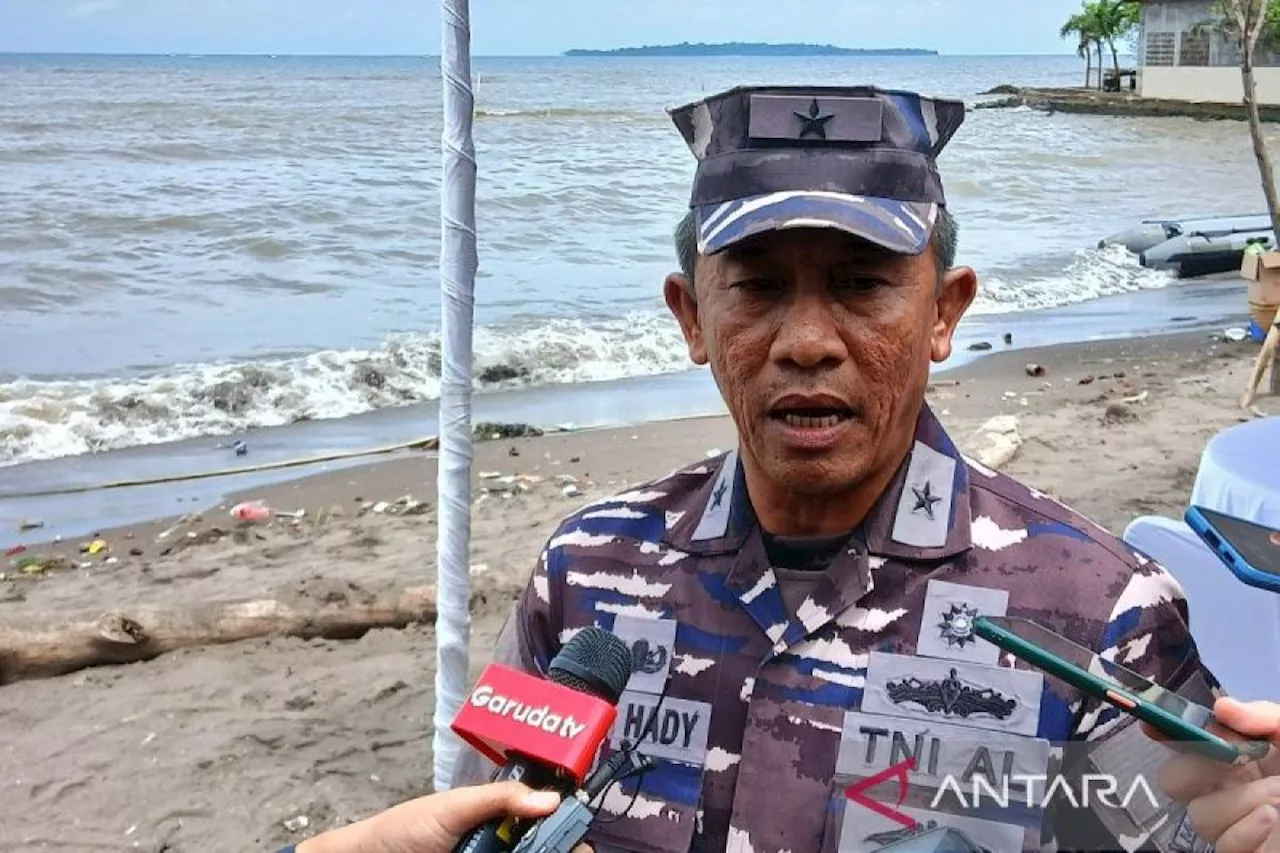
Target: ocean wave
47,419
1094,273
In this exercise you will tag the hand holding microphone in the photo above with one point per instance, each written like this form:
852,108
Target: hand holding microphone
435,823
546,734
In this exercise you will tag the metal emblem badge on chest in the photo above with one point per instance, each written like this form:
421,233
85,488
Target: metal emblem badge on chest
985,697
652,643
946,623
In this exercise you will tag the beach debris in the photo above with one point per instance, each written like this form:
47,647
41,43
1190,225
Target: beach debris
571,491
297,824
240,447
181,523
1235,334
1008,339
1085,380
981,346
32,524
1137,398
1035,370
97,546
998,441
493,431
511,451
251,511
31,565
714,452
489,475
403,505
1119,413
575,459
135,552
15,550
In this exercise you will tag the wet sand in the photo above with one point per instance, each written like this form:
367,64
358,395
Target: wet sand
230,747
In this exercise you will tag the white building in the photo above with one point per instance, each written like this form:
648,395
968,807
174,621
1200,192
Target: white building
1179,60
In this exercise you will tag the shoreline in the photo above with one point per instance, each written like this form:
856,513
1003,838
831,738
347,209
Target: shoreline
253,743
410,473
1123,104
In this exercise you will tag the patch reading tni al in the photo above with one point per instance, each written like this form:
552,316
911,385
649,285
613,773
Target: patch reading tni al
943,754
946,627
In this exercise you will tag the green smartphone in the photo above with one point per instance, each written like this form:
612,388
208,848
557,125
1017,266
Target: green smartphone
1167,712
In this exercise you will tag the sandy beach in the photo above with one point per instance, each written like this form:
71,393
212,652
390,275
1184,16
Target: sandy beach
249,745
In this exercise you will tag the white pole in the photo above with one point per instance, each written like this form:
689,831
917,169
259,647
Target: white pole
457,297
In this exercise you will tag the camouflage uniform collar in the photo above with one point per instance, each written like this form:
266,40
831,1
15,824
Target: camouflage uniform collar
923,515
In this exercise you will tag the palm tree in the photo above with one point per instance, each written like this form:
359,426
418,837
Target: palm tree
1099,23
1078,25
1115,20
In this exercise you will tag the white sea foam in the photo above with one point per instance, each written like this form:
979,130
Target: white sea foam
41,420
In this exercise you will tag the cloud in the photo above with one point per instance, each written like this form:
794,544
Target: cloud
91,7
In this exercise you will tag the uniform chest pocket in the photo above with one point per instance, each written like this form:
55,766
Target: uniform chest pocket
657,812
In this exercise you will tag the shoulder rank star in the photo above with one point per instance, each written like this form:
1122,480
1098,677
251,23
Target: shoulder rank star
951,696
718,495
956,626
925,499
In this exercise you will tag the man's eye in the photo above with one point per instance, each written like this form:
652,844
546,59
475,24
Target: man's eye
757,285
859,283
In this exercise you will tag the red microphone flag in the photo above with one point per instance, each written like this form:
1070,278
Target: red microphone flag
509,711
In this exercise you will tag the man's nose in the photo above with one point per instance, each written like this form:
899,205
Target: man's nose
809,336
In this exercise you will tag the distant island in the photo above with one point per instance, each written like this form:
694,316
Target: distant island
750,49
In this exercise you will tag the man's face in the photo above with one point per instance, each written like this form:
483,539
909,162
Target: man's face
820,344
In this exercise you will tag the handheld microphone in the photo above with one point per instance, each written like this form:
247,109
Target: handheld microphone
545,733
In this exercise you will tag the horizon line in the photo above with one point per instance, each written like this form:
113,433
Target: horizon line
181,54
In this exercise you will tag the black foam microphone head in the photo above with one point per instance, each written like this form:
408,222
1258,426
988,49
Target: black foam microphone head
594,661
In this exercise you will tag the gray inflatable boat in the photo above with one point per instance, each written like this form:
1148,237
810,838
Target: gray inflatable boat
1150,233
1196,254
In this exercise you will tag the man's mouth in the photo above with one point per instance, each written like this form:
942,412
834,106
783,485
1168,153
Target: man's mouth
811,411
816,418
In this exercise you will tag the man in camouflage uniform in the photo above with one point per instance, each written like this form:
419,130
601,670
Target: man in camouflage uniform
800,609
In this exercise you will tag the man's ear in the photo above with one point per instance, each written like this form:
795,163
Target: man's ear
959,287
678,291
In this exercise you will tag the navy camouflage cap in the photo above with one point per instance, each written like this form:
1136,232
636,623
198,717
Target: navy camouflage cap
860,159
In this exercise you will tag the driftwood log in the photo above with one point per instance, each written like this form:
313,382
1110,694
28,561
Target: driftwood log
40,647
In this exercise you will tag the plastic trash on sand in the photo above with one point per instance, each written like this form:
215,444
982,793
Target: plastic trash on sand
250,511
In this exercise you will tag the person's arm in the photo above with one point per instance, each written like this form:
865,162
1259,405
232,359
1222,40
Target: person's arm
434,823
528,641
1148,631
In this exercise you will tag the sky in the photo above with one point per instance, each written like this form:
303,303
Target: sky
523,27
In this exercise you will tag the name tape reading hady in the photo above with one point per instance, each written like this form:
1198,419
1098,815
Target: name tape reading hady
535,716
